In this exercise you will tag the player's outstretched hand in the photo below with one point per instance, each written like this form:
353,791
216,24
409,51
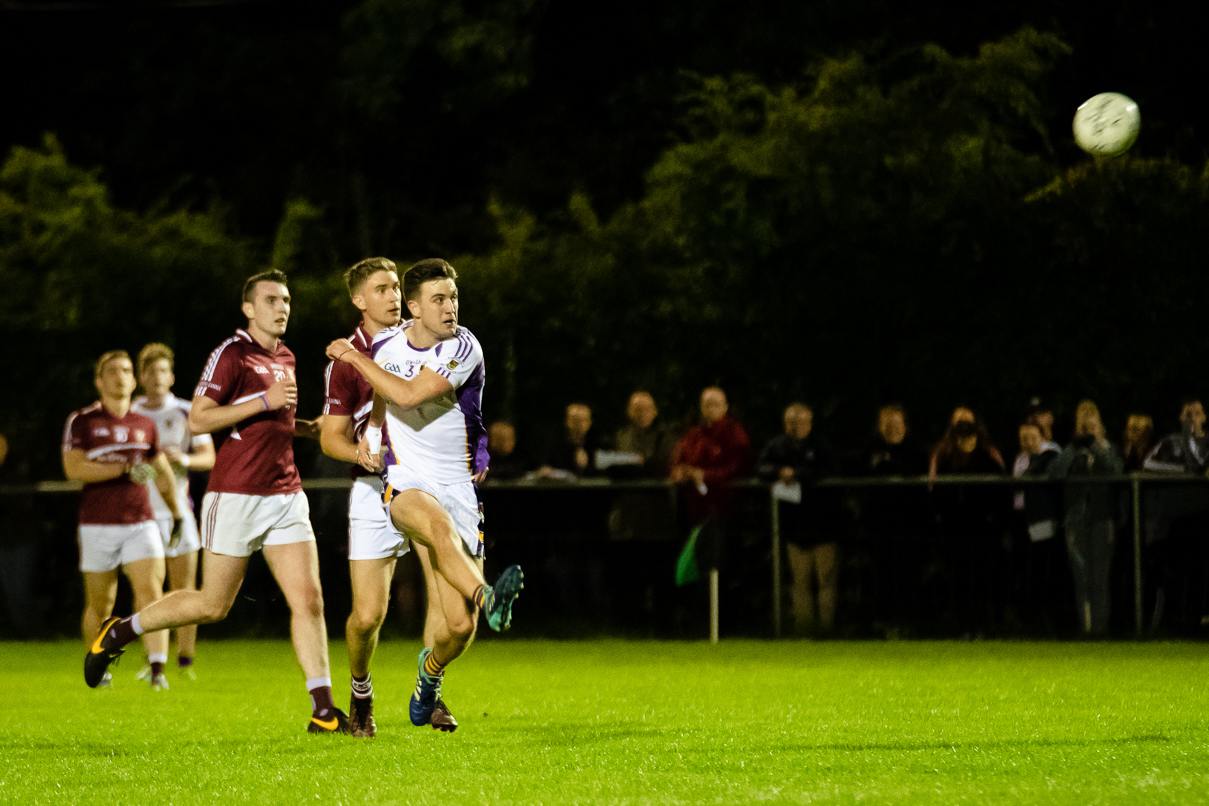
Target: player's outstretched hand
339,349
175,538
141,472
281,394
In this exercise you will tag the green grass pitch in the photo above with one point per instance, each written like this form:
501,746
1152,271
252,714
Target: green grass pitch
628,722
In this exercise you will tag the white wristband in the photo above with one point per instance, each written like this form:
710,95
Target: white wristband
373,438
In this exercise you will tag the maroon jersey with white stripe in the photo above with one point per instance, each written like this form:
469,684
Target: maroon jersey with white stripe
257,454
348,394
107,438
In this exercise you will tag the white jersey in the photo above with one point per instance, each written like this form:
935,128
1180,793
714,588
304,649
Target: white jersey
443,439
172,422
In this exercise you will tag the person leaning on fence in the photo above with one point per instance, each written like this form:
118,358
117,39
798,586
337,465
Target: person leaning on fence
1090,515
794,461
571,450
970,523
709,457
1044,555
508,461
1137,441
1176,515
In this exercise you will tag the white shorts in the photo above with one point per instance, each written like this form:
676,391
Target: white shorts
239,525
103,547
371,535
189,538
459,500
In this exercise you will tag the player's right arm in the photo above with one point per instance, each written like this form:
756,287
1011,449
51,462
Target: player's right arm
208,416
336,437
78,467
403,393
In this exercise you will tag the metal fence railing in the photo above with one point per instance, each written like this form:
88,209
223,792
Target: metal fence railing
573,535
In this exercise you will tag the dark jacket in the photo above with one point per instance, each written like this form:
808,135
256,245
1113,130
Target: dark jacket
1087,502
815,520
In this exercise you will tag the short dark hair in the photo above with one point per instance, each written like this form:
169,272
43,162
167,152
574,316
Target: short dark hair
270,276
360,271
418,274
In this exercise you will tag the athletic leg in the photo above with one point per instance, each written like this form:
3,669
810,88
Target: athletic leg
295,566
182,576
422,519
147,583
222,576
100,594
434,614
371,599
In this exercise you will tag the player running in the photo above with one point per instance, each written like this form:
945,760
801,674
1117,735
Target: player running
185,451
427,376
374,544
254,500
114,450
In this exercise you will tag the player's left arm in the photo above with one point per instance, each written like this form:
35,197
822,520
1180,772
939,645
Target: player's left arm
309,429
200,456
403,393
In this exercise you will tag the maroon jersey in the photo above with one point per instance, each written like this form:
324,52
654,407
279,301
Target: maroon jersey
257,454
106,438
348,394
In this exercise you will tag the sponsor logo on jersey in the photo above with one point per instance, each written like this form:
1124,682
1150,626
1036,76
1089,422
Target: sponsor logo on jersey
100,432
120,434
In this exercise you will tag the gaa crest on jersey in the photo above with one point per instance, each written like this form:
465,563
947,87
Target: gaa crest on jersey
140,436
453,364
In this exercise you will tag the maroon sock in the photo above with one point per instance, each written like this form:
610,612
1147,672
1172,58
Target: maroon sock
157,669
121,633
321,701
184,662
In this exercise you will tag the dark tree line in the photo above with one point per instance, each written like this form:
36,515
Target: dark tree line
847,203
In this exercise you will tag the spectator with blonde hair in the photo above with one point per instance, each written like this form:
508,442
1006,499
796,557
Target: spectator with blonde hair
1090,515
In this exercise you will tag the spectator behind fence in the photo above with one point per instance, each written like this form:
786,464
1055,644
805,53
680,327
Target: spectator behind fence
1044,574
1137,442
1176,514
710,456
796,460
571,452
894,519
507,461
1091,511
1041,416
642,435
970,524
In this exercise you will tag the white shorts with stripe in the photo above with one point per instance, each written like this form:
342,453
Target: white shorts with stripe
190,540
459,500
371,535
103,547
239,525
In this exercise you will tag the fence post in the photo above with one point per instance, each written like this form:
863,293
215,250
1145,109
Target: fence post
1135,484
713,605
776,566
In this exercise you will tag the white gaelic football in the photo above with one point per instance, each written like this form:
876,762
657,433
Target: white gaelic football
1107,124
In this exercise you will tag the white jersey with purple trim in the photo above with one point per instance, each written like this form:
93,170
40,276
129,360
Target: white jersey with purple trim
172,422
443,439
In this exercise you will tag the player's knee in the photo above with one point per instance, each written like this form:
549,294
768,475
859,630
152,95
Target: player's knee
308,602
213,610
461,627
367,618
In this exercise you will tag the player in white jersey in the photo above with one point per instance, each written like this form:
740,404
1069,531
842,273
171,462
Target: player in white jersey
185,451
428,383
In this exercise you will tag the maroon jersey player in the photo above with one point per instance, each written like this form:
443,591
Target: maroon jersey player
254,501
374,544
113,451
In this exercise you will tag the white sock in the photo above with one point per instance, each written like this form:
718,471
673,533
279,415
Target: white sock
134,624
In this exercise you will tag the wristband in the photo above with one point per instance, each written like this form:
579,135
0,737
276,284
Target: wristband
264,399
373,438
186,460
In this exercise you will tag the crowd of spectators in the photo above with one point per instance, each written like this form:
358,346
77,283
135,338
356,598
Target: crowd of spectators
984,554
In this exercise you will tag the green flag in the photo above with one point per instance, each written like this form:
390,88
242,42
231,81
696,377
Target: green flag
686,564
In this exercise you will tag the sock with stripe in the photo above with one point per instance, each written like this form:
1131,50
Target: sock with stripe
320,689
480,596
125,631
363,687
184,662
432,667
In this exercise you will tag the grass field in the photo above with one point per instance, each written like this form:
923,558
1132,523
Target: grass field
629,722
